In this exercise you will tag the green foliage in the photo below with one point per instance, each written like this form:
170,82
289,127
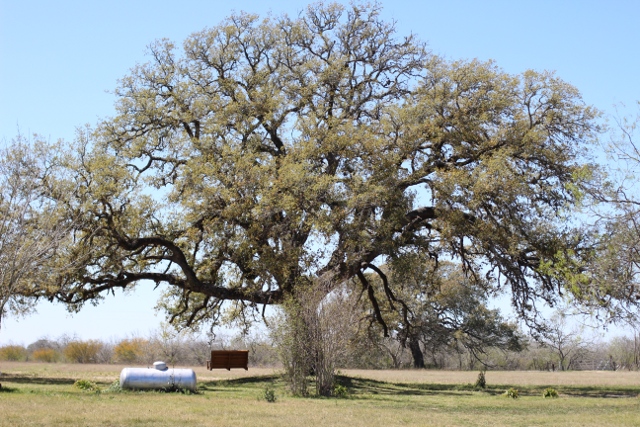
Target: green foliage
32,223
114,387
340,391
13,353
512,393
550,392
82,351
625,352
481,381
274,154
267,157
86,385
269,393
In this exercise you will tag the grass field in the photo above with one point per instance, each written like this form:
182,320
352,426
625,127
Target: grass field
35,394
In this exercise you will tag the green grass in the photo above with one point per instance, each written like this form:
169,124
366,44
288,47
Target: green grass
31,395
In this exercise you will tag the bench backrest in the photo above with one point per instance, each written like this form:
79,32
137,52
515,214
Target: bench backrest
228,359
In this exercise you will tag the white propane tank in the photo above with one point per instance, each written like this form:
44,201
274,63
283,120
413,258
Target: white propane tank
160,377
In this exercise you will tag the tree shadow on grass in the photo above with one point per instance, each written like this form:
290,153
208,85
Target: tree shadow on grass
361,387
356,386
4,389
368,386
231,384
364,386
30,379
235,382
596,391
569,390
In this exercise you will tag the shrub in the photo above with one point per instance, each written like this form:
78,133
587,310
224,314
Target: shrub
512,393
82,351
13,353
269,394
46,355
481,382
550,392
130,350
340,391
313,337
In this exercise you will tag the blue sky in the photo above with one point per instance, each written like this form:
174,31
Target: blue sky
60,60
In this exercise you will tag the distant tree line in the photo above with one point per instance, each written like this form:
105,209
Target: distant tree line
566,350
175,348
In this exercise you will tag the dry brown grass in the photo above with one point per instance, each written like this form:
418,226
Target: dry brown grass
523,378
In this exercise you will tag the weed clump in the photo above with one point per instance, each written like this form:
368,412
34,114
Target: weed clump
114,387
340,391
512,393
481,381
550,392
269,394
86,385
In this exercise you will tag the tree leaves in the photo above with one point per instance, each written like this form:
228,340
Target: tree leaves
276,153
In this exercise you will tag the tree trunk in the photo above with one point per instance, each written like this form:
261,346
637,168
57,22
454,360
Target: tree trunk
416,353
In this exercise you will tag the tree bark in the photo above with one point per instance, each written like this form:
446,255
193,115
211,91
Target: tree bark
416,353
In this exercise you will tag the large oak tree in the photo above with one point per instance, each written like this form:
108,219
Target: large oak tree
268,155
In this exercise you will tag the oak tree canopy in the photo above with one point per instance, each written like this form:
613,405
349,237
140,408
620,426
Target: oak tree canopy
268,154
32,225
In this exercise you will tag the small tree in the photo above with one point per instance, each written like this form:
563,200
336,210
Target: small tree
78,351
290,334
167,344
130,350
13,353
47,350
331,334
624,352
45,355
313,337
566,342
439,308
